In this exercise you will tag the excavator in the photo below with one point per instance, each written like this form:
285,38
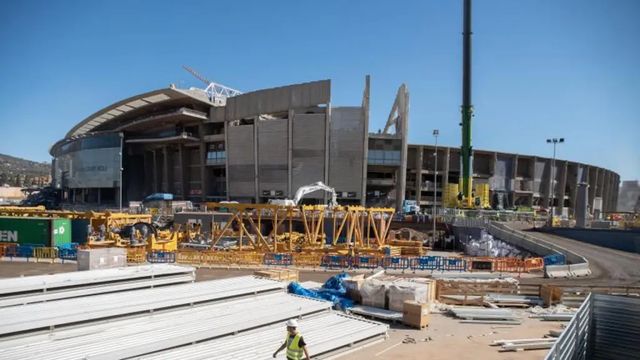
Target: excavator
307,189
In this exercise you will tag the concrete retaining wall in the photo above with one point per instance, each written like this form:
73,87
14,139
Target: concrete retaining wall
625,240
578,265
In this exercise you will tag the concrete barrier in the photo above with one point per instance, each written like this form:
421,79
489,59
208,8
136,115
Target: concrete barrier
578,270
557,271
579,266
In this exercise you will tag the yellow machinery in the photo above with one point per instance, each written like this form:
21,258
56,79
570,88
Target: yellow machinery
303,228
105,227
481,198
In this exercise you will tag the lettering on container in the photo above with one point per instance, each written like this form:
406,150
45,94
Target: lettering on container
9,235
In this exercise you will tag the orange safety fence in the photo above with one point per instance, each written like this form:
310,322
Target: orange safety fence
533,264
508,265
136,255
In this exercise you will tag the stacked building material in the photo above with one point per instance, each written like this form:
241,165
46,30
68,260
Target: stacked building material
524,344
478,314
137,336
328,333
91,308
41,288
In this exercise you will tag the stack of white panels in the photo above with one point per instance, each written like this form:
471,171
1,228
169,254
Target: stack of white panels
41,288
151,333
91,308
325,333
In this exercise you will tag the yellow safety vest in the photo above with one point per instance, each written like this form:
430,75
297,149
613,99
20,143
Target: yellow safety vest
294,351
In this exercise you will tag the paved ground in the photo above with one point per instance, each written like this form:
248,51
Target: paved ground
608,266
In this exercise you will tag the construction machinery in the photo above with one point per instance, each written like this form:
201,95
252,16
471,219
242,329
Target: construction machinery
306,228
308,189
466,151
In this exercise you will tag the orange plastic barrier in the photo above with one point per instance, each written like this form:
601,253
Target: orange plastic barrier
136,255
533,264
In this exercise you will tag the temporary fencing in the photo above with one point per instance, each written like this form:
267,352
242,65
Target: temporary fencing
336,261
454,264
426,263
280,259
366,262
45,253
395,262
136,255
307,260
161,257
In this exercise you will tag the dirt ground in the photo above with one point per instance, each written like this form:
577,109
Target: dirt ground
446,338
449,339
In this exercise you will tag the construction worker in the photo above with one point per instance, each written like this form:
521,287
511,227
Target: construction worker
294,343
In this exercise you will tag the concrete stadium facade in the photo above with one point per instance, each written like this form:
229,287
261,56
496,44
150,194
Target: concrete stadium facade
265,144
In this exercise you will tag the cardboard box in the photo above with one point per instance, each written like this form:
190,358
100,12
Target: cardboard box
401,291
415,314
104,258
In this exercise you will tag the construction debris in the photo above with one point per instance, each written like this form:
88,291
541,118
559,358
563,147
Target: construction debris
524,344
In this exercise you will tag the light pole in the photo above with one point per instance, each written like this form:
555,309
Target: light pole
435,183
552,182
121,170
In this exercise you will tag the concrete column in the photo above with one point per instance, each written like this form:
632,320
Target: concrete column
255,159
203,168
327,127
184,176
290,153
365,153
561,187
418,185
226,161
155,171
165,170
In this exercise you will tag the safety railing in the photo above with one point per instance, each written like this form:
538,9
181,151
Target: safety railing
45,253
572,343
307,260
161,257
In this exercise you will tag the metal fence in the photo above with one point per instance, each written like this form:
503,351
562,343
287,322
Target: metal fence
606,327
572,344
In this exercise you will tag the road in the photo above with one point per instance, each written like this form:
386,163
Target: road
608,266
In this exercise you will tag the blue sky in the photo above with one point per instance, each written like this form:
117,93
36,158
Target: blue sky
542,68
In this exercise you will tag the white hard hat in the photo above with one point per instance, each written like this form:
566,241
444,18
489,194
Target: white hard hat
292,323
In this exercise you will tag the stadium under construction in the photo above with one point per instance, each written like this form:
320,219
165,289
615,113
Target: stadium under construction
218,144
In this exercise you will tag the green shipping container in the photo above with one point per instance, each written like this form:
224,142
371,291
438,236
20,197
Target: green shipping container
35,231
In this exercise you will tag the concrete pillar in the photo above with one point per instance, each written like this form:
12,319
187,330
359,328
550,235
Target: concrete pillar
226,161
184,176
255,160
365,153
418,184
155,171
165,169
561,187
327,128
203,168
290,153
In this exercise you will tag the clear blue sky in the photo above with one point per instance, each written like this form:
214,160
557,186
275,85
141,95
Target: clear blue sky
542,68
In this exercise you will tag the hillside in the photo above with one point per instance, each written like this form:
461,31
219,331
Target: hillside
20,172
